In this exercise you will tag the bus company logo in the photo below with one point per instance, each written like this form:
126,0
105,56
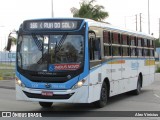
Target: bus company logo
134,65
69,76
47,85
67,66
70,66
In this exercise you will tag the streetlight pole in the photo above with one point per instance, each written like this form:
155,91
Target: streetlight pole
136,22
140,16
148,18
159,29
52,13
125,21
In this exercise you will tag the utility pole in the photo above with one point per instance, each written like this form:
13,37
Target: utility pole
136,22
159,29
52,13
125,21
148,19
140,15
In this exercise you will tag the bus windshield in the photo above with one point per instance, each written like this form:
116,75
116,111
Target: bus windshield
50,52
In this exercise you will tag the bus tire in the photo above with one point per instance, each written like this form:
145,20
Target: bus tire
45,104
103,97
137,91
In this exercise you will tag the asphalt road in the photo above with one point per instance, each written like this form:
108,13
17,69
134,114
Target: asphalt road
148,100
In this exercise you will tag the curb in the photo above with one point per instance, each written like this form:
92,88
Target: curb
3,78
7,87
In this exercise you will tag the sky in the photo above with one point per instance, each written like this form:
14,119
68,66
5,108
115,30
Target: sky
121,13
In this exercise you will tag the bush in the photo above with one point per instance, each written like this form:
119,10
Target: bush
158,70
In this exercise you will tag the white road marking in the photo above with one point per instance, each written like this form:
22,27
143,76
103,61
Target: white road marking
157,95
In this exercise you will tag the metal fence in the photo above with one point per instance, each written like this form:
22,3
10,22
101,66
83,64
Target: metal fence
7,65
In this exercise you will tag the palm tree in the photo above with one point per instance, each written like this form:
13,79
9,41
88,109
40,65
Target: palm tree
88,10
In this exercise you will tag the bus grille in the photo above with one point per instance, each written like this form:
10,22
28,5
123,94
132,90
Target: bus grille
55,96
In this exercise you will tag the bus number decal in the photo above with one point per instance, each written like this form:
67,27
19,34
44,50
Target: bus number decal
33,25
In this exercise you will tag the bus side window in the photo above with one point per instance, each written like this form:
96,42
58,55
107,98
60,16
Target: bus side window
151,53
145,44
125,40
95,50
139,51
107,51
133,51
116,51
106,37
115,38
132,41
139,41
125,51
146,52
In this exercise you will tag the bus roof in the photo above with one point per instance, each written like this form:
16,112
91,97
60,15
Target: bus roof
112,28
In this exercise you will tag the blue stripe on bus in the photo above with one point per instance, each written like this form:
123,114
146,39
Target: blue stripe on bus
86,61
113,59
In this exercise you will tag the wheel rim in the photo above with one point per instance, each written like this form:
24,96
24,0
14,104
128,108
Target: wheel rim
104,95
139,86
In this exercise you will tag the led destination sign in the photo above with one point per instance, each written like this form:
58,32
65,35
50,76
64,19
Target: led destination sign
51,25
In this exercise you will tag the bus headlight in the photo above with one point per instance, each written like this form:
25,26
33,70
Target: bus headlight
19,82
79,84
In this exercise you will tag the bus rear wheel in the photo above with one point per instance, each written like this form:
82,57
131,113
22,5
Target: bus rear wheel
137,91
103,97
45,104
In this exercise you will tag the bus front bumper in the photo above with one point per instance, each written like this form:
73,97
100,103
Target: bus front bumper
79,95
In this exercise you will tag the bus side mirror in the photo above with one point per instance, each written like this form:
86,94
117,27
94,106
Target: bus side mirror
10,40
9,43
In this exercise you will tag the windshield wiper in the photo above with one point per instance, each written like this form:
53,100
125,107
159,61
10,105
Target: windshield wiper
59,45
37,42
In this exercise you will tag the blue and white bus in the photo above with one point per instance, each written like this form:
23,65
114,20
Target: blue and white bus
80,61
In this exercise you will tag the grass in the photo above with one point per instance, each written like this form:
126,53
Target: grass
157,67
158,70
7,71
7,65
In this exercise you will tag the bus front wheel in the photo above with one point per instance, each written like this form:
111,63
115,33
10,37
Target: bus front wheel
103,97
45,104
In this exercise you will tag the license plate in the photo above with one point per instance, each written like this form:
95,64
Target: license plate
47,93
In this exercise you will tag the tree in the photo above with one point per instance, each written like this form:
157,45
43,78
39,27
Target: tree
157,43
88,10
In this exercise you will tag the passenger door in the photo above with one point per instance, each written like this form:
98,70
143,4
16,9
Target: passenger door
95,67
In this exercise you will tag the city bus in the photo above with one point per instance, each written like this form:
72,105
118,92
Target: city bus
79,60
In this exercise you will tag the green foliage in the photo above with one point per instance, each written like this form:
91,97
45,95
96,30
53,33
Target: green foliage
88,10
14,40
158,70
157,43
